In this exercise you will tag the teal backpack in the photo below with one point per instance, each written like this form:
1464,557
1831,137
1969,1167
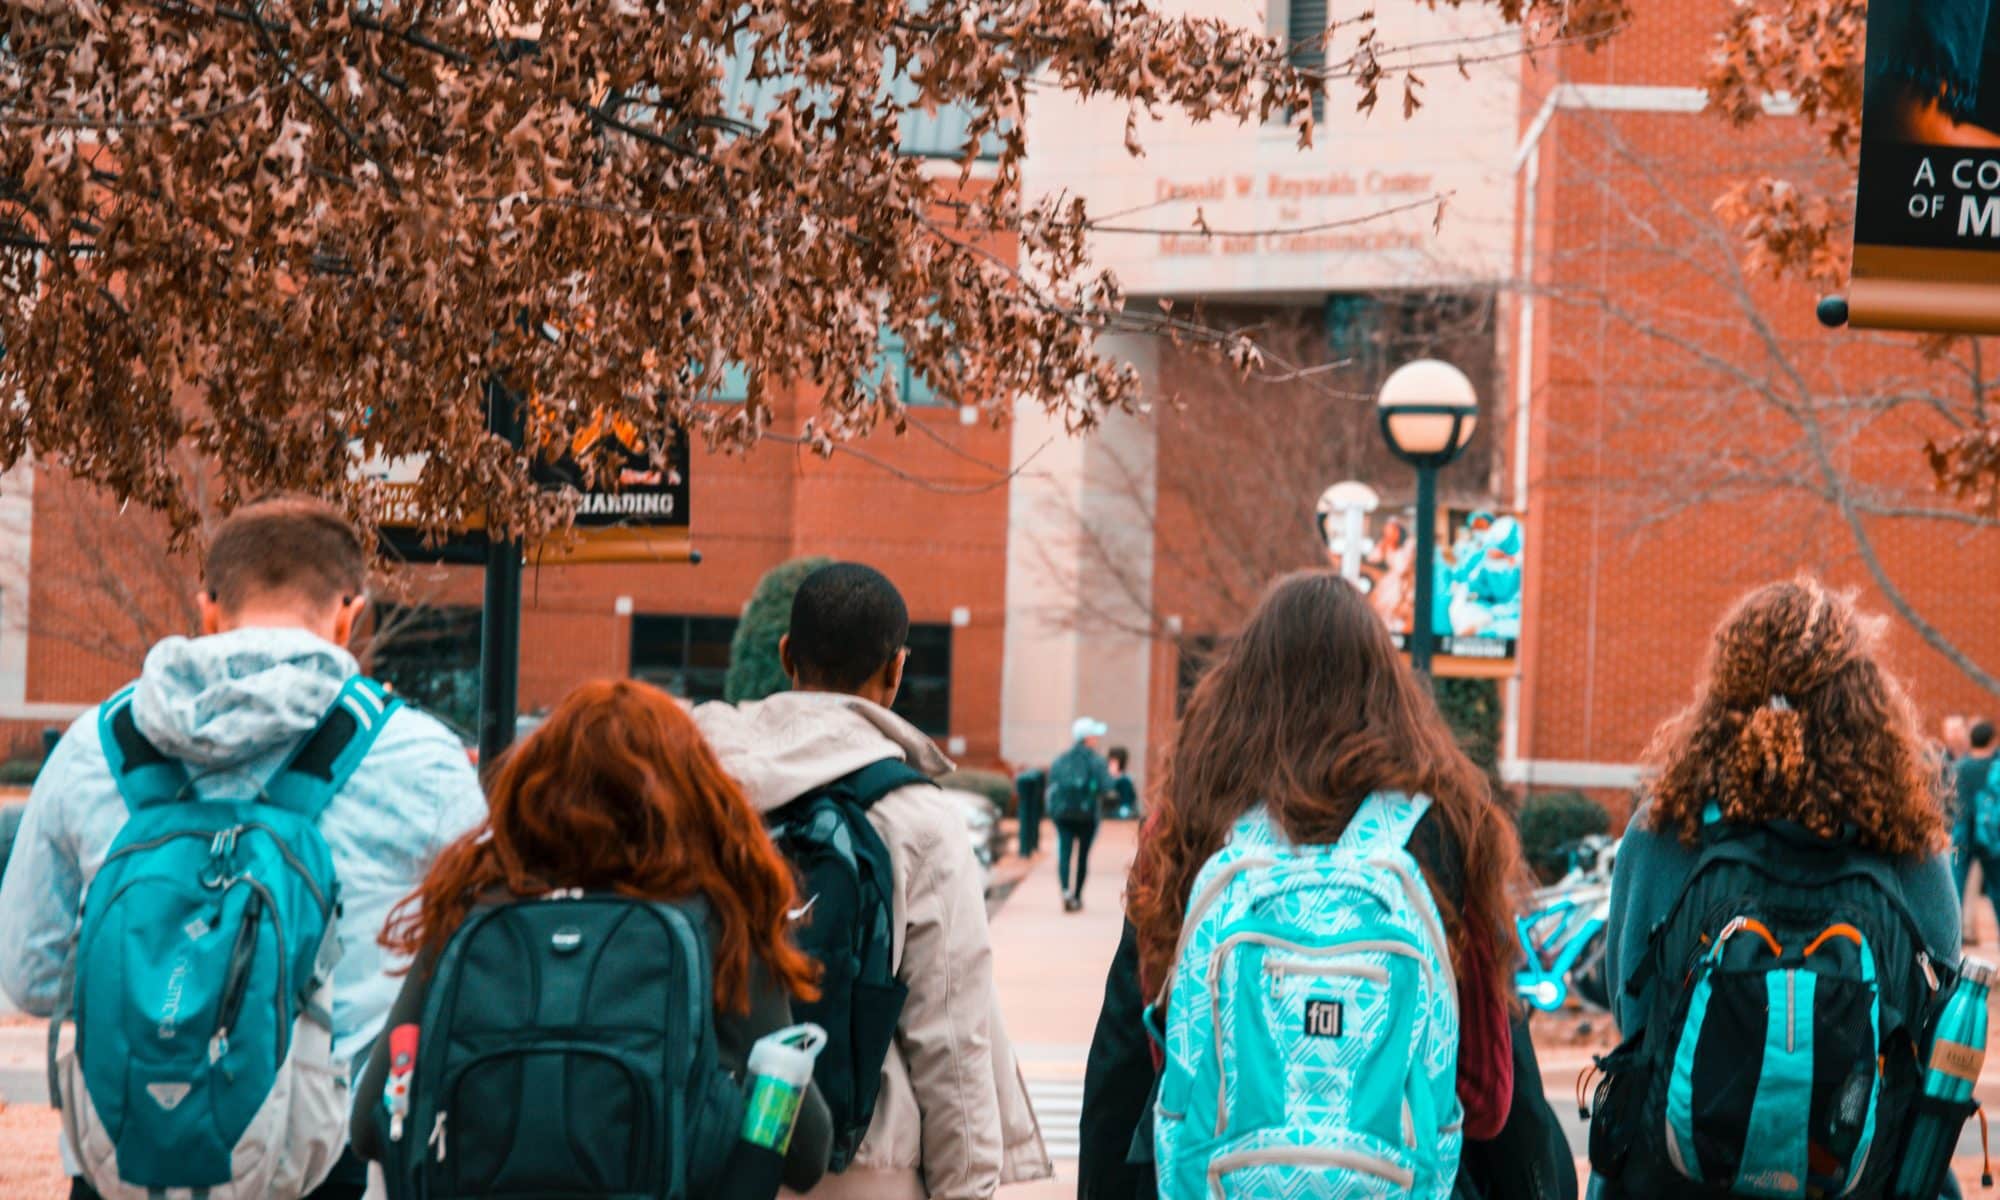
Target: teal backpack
1312,1034
1072,793
201,987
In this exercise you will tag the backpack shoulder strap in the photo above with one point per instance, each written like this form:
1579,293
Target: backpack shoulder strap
327,758
145,775
876,780
1384,819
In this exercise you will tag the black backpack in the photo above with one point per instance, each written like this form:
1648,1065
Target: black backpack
1791,993
847,925
568,1048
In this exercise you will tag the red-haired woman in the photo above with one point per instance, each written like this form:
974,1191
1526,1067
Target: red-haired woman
617,792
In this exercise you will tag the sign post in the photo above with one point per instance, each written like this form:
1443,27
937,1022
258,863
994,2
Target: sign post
500,618
1343,525
641,517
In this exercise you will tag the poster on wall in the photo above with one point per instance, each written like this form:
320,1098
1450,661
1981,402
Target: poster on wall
1476,596
1927,209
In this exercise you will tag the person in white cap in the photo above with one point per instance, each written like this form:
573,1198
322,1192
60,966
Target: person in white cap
1078,780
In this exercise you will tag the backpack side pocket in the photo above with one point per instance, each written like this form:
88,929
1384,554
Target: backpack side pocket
1618,1107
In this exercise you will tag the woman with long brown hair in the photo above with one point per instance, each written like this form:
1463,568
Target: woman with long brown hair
617,793
1309,717
1792,803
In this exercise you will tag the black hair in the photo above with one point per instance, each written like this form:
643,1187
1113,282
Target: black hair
1119,755
1980,735
848,621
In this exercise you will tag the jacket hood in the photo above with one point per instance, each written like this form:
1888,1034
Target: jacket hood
223,700
780,748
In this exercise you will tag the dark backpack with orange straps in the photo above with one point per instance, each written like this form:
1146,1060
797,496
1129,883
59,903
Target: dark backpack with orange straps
1789,991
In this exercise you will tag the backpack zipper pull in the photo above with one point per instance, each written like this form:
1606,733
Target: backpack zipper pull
437,1135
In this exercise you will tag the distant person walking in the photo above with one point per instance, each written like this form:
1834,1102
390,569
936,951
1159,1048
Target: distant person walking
926,1096
1124,797
1977,793
1954,744
255,794
1078,781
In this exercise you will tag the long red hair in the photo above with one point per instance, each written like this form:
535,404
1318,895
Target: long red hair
618,792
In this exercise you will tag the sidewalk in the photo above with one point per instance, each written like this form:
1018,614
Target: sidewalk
1050,967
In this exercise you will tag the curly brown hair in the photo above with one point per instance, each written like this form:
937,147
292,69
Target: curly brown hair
1797,719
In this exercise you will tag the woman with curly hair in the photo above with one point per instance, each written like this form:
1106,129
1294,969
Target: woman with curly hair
1795,720
1793,828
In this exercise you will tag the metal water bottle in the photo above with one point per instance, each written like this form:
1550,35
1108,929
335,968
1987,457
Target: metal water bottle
1957,1052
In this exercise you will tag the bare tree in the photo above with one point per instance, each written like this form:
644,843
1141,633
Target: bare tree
1718,389
1216,498
112,580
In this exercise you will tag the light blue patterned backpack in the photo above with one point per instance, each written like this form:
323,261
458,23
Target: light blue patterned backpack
1312,1034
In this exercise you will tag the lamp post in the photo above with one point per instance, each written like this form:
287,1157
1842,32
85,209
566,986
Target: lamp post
1428,411
1343,524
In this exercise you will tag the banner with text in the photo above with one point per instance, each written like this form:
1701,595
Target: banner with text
1927,211
643,519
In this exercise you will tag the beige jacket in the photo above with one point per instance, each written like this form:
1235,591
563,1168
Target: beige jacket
953,1121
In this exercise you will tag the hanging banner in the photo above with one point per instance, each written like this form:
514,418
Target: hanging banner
643,520
1927,210
1475,595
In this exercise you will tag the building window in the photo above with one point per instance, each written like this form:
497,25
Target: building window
430,656
912,388
685,656
1302,23
925,700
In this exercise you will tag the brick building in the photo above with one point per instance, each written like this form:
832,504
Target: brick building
1670,428
1691,430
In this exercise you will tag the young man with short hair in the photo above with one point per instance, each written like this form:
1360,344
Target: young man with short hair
283,584
952,1120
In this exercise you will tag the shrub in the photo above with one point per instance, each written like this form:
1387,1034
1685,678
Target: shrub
1551,819
1472,708
19,772
996,787
755,670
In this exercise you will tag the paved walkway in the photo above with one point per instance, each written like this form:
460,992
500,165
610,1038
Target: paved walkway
1050,966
